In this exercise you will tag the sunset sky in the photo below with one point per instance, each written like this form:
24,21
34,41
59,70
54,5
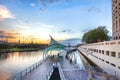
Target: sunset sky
35,20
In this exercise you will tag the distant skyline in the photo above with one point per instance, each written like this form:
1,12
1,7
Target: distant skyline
35,20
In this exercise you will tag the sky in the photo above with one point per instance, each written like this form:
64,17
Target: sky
35,20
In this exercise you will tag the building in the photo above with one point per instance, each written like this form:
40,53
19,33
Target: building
104,54
116,19
107,54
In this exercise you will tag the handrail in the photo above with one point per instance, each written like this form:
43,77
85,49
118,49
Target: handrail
50,71
19,75
61,72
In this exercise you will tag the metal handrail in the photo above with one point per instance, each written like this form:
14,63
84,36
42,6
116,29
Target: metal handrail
61,72
50,71
19,75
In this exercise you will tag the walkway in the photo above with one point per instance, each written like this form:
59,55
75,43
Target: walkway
40,72
71,72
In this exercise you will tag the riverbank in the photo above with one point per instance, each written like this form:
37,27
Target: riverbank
19,50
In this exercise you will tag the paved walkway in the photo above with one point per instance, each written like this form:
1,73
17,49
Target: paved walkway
71,72
40,72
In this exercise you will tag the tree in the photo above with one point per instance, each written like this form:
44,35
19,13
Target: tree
98,34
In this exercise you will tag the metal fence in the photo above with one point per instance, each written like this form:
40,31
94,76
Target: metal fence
50,71
48,75
21,74
61,72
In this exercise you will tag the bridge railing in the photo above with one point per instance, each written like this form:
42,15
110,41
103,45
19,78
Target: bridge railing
61,72
21,74
50,71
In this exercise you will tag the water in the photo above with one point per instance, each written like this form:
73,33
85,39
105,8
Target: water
17,61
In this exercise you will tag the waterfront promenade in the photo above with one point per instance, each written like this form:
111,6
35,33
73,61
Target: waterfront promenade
69,70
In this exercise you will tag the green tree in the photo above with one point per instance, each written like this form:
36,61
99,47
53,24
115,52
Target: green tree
96,35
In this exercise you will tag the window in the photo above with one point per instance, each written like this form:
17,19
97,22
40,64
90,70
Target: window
119,55
118,42
102,59
99,51
113,54
113,64
118,67
107,62
102,52
119,21
107,53
116,23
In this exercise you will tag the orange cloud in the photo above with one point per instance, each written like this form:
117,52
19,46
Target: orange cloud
5,13
11,37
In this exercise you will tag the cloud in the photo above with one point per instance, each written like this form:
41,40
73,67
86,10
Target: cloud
46,25
5,13
65,31
23,26
44,3
32,4
93,9
1,32
5,34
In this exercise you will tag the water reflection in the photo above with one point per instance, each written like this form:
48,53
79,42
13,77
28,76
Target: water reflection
17,61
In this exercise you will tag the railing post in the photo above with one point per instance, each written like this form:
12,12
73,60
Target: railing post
46,77
21,75
13,77
26,72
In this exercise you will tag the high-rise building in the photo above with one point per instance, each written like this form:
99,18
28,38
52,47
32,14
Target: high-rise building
116,19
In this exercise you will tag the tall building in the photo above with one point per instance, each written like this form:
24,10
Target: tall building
116,19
